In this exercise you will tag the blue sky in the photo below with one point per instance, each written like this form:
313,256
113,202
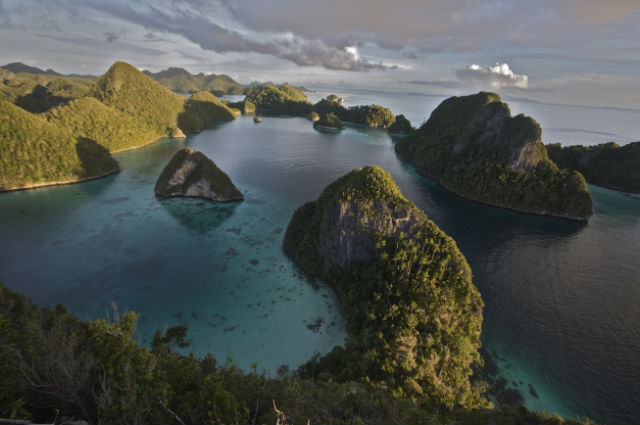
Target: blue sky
584,52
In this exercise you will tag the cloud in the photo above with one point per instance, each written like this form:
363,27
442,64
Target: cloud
110,36
197,29
211,36
316,53
494,77
598,12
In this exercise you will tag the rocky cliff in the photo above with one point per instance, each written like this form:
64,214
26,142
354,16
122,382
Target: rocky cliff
414,316
474,147
190,173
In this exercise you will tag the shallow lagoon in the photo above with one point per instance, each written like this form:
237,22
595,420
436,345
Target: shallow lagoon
562,298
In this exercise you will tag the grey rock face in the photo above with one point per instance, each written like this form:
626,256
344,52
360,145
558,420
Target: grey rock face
191,173
346,230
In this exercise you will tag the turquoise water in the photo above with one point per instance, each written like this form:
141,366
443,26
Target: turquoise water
562,315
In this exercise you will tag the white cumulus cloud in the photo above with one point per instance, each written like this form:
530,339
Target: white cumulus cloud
497,76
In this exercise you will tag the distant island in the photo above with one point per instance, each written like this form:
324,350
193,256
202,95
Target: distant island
328,121
609,164
182,81
367,115
473,146
414,316
89,119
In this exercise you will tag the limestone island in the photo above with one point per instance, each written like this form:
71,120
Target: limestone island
329,121
413,314
190,173
608,164
473,147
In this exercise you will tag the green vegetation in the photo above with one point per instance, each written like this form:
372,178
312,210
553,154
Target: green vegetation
121,110
125,88
472,146
34,152
202,108
18,67
109,127
181,81
191,173
608,164
329,120
284,99
39,93
414,316
96,371
369,115
401,125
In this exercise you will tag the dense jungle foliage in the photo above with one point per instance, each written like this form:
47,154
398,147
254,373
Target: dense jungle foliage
608,164
455,147
34,151
182,81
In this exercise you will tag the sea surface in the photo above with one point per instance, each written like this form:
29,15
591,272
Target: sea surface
562,298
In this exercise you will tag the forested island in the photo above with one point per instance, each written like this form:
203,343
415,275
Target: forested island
608,164
87,120
287,100
473,147
328,121
182,81
413,315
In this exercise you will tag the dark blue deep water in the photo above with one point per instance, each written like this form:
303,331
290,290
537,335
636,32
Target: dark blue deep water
562,315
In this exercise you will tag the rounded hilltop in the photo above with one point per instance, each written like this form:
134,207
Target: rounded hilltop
414,315
475,148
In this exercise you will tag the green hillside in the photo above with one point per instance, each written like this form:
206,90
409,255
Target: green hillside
284,99
608,164
129,90
473,146
369,115
202,108
180,80
39,93
109,127
35,152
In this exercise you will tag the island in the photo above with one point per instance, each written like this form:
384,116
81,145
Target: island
283,99
472,146
182,81
609,164
368,115
413,314
123,109
35,152
328,121
192,174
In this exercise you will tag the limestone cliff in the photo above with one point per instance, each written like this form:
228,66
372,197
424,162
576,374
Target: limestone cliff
190,173
474,147
414,316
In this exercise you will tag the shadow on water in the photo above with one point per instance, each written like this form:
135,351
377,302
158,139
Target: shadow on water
467,220
197,215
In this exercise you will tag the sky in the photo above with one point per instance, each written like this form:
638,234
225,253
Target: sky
583,52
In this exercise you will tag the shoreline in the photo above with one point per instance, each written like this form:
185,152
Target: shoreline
58,183
436,180
85,179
